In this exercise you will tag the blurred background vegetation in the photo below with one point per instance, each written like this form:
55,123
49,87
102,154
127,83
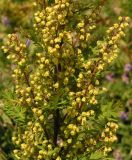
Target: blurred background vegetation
16,16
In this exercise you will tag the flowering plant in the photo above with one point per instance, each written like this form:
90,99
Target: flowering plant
57,83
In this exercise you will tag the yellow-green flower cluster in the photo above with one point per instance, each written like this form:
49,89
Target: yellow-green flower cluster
19,58
109,48
47,23
107,52
40,79
28,141
59,85
109,135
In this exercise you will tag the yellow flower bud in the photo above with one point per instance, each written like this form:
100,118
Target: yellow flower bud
69,141
66,80
78,100
5,50
46,61
60,17
40,157
56,85
28,100
46,74
58,158
82,37
80,25
120,18
84,99
34,110
15,151
37,19
41,117
72,133
39,112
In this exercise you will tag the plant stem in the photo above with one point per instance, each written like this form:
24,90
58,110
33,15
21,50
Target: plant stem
56,125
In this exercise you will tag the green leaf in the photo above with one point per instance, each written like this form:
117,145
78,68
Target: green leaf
98,155
2,156
13,110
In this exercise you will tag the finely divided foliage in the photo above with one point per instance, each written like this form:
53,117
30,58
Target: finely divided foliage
59,85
